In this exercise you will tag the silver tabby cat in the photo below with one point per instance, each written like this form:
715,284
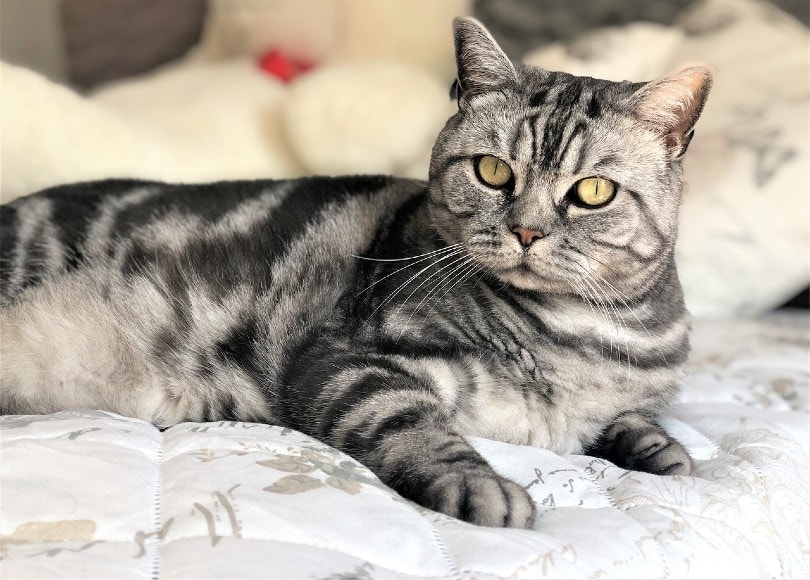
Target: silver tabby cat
526,292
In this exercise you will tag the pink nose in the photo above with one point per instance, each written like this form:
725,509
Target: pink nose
526,236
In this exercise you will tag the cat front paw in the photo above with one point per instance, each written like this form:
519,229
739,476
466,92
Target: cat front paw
637,442
484,499
654,452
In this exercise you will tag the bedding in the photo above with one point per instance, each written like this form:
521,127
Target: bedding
93,494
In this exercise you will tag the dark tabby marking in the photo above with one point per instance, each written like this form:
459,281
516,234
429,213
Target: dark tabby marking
390,318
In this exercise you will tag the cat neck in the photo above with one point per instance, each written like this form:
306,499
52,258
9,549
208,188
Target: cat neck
662,294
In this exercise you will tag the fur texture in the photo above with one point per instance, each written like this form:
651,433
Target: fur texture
390,318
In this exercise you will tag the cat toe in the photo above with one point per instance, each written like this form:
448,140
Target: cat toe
672,459
648,444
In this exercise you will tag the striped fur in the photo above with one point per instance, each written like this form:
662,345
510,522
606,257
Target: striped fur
390,318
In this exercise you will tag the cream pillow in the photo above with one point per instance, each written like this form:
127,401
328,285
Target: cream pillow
415,32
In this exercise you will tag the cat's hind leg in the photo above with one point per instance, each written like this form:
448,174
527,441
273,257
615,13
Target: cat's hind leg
636,442
62,346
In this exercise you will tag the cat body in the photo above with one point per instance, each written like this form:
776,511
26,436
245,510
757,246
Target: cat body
190,297
387,317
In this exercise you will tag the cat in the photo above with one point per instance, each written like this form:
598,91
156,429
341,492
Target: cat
526,292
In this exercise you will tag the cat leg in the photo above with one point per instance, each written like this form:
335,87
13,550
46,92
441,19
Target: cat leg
394,422
414,452
636,442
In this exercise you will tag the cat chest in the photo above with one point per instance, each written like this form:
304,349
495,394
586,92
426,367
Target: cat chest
560,403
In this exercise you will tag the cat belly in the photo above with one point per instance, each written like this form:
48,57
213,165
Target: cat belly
515,418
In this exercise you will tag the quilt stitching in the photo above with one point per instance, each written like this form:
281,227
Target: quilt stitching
160,531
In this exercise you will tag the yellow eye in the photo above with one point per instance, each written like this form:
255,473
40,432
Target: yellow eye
493,172
595,191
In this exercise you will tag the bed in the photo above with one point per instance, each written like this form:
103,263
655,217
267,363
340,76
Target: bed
92,494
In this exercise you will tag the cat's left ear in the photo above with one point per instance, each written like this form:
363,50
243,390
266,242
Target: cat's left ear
482,65
673,104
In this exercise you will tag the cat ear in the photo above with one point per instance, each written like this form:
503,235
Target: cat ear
482,65
673,104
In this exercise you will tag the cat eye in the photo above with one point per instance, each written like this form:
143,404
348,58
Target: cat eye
595,191
492,171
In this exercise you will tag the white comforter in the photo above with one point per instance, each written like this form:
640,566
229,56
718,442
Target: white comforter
96,495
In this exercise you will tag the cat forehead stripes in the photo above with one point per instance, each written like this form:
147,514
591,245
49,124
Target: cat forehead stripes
670,106
560,111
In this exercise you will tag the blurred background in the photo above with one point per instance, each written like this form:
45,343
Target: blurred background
200,90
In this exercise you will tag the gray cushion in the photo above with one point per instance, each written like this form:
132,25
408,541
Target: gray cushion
110,39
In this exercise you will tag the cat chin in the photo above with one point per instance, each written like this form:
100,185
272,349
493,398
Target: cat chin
523,278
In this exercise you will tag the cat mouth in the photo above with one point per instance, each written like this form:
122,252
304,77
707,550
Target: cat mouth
524,271
528,277
516,264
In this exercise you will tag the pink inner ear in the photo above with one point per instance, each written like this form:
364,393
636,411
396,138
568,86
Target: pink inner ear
675,102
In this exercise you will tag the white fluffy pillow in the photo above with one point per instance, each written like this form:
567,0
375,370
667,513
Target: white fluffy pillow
224,117
187,122
366,117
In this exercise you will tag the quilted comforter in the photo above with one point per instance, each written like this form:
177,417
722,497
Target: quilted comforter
89,494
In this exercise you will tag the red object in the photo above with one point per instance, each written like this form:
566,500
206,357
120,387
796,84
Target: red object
284,68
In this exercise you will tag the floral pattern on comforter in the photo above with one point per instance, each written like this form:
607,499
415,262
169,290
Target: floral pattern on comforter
93,494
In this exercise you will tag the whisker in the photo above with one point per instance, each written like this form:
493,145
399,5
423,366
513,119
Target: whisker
464,277
469,268
598,296
447,251
625,300
599,302
626,329
597,260
622,300
393,294
619,318
578,288
612,312
440,250
456,269
422,283
440,283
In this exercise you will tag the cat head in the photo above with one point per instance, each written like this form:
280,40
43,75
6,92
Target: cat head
557,183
